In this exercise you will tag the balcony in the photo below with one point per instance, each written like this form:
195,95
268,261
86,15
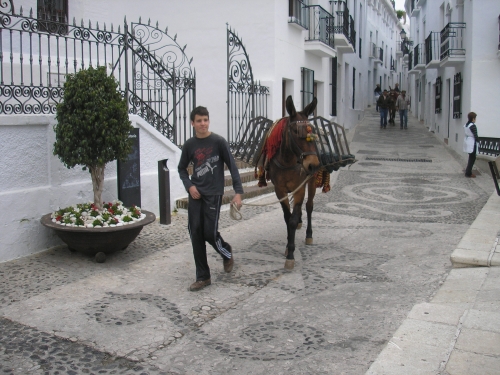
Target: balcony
321,37
410,63
399,49
414,9
393,65
452,44
376,53
345,36
432,53
297,14
418,63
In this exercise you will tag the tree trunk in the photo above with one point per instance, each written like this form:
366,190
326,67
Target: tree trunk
97,174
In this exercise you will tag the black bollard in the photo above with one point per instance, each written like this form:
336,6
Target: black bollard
164,192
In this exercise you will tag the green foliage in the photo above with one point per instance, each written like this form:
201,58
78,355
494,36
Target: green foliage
400,14
92,120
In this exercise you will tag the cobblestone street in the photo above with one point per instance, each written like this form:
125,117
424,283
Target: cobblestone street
382,242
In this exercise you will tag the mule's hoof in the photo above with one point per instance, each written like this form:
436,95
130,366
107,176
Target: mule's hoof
299,225
289,264
309,241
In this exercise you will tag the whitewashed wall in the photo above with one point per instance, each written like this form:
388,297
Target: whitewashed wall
34,182
480,71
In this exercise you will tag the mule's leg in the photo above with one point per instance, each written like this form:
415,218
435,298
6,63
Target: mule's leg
311,191
293,222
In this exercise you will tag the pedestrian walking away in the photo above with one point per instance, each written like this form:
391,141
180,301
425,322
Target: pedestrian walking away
402,107
378,92
396,87
208,152
383,104
470,143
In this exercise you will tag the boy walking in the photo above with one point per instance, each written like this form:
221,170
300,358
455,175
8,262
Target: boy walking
402,107
208,152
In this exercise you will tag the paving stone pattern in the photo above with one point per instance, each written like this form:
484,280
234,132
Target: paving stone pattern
382,241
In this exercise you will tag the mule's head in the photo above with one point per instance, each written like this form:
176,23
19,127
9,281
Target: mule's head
302,135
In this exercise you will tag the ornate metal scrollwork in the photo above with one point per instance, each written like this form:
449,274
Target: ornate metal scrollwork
240,70
7,7
34,100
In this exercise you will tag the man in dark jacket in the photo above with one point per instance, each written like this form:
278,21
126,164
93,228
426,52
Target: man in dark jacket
383,104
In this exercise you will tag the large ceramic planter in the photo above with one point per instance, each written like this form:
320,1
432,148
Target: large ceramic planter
98,241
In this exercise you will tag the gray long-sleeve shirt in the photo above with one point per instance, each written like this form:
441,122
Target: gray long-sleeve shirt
208,156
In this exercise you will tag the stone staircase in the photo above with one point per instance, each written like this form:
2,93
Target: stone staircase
248,180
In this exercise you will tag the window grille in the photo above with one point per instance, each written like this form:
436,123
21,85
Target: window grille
52,16
307,86
457,96
334,87
439,88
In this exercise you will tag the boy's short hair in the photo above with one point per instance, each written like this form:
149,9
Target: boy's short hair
200,111
471,116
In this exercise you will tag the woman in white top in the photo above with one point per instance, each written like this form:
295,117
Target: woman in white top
470,143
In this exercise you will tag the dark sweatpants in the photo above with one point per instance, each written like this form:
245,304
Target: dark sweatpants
470,163
203,217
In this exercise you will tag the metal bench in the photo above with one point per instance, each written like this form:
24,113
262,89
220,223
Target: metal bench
489,150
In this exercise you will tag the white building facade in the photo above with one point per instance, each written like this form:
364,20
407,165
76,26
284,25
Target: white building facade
454,66
334,50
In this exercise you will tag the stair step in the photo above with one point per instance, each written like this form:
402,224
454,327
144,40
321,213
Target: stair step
245,177
249,192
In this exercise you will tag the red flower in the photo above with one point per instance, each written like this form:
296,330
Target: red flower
110,211
59,218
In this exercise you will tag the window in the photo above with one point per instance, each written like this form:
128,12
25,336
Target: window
53,16
439,88
334,87
457,95
353,87
307,86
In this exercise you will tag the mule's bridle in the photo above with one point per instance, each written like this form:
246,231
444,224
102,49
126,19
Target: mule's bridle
297,151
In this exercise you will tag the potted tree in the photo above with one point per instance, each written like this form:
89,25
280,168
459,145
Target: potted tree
92,130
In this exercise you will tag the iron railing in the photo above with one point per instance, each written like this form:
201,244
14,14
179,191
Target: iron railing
152,70
410,60
342,20
352,32
452,40
297,13
246,98
418,55
321,25
393,64
489,146
432,47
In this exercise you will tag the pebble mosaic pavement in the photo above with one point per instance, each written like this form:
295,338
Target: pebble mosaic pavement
382,241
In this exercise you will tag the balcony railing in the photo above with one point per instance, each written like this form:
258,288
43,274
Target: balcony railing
418,55
393,64
297,13
452,40
344,23
340,9
432,47
410,61
376,53
352,32
320,25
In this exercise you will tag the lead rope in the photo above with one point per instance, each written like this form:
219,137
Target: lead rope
235,214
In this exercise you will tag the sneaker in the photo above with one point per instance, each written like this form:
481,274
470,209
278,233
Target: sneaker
228,264
199,285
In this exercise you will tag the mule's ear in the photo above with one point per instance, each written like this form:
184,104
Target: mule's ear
290,107
310,107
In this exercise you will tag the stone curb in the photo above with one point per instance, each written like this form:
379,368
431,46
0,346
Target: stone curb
479,246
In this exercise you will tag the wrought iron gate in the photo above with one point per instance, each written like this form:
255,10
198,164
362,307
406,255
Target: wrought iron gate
246,99
152,70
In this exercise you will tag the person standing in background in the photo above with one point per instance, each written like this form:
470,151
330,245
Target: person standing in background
470,143
378,92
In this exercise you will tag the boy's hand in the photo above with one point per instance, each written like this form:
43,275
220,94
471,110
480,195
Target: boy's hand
237,200
193,191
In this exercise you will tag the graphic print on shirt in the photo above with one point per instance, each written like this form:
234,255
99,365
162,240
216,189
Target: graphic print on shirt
204,162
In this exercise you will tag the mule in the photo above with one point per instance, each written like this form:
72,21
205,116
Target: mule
393,96
295,161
